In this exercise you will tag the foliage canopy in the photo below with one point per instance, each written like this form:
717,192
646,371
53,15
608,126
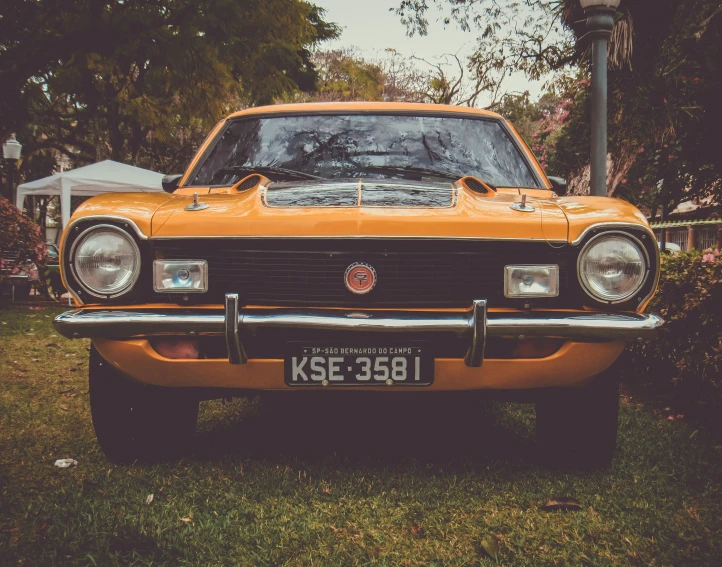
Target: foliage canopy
686,360
665,79
140,81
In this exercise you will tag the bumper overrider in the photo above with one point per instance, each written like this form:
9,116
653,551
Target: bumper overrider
476,324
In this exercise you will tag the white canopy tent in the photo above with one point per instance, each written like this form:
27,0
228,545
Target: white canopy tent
102,177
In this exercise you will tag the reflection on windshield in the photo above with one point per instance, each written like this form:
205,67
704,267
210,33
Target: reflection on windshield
370,146
400,194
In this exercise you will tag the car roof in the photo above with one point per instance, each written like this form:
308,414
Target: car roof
324,107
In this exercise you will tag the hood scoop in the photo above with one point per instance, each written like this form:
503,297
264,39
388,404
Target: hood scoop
361,193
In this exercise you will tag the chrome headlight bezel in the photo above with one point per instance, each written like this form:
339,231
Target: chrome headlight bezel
638,244
81,238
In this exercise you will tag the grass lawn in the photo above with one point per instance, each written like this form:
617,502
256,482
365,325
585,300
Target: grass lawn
351,484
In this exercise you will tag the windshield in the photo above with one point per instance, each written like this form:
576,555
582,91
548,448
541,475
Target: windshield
373,146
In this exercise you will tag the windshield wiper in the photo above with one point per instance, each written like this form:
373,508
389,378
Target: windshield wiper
419,171
410,169
263,169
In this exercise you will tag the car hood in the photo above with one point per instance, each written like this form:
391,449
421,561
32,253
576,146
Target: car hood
363,208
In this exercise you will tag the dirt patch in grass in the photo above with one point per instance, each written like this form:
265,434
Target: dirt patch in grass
359,481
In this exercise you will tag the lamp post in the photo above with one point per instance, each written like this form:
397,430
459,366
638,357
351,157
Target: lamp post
600,22
11,152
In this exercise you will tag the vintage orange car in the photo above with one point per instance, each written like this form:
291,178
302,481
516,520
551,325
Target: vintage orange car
357,246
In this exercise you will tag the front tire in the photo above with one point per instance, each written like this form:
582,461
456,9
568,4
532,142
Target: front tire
577,427
136,422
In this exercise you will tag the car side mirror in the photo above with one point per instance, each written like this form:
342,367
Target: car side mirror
170,182
559,185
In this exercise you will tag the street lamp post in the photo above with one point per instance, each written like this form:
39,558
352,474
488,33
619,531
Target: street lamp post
12,149
600,22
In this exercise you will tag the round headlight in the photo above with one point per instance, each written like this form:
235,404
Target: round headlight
612,267
106,261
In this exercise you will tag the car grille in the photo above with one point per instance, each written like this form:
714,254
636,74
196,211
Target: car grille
410,273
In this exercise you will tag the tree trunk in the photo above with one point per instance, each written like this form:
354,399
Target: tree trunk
43,214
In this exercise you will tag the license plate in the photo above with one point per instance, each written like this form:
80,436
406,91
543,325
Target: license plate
373,365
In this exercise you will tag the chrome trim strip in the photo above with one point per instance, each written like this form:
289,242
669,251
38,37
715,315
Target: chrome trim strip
595,327
115,218
84,323
357,320
236,353
611,225
361,237
580,326
475,357
658,274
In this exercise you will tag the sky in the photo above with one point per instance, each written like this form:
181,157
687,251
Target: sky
371,27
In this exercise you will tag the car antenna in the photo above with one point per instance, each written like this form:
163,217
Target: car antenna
522,207
195,205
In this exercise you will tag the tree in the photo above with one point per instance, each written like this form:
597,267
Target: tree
664,82
664,117
140,81
346,75
343,75
527,116
514,35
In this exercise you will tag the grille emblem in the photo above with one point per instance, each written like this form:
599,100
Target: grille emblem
360,278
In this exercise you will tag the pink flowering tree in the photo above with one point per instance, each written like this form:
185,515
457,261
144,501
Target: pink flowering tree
710,255
550,128
22,246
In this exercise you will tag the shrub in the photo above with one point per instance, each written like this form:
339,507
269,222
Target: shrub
685,361
20,234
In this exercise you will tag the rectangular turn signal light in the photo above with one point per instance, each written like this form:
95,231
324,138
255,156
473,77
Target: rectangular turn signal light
180,276
531,281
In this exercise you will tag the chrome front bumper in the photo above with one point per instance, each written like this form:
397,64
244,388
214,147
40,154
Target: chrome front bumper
477,324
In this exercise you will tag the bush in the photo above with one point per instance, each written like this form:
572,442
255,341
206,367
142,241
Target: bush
686,359
19,234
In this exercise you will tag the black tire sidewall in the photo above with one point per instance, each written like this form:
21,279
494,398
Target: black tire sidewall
136,422
577,427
